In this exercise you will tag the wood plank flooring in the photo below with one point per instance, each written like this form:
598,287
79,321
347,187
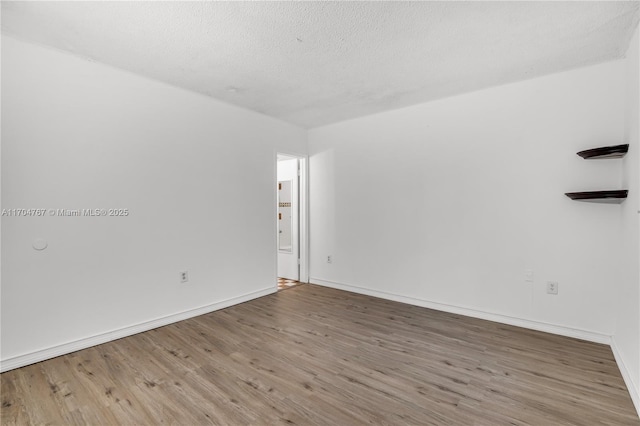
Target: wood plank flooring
317,356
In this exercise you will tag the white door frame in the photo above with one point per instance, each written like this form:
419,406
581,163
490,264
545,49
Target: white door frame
303,218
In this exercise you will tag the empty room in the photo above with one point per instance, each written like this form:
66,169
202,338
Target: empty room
320,213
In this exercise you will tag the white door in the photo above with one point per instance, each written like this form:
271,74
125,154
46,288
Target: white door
288,220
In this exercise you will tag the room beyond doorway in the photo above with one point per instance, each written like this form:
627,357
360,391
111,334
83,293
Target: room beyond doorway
291,209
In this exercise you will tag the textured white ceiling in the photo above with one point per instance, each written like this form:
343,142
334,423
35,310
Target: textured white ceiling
314,63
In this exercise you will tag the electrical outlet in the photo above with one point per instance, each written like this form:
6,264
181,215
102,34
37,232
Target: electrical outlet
329,259
184,276
552,287
528,275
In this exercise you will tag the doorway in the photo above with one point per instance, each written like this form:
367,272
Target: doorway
290,220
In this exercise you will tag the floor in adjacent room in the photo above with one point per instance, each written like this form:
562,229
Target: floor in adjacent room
285,283
318,356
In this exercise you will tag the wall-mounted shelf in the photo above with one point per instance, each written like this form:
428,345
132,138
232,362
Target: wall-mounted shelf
615,151
611,197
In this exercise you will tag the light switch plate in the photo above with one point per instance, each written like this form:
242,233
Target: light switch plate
528,275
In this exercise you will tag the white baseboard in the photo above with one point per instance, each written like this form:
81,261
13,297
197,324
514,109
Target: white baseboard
66,348
504,319
632,386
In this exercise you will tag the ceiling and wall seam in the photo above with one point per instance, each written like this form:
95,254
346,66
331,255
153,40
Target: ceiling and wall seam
317,63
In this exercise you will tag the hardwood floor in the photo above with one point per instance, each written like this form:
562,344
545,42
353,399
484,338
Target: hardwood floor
317,356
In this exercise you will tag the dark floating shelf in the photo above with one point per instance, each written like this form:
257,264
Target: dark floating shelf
611,197
615,151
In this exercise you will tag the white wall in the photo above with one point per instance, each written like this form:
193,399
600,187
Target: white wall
627,335
197,176
446,204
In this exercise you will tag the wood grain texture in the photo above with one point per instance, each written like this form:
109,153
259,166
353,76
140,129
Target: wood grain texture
318,356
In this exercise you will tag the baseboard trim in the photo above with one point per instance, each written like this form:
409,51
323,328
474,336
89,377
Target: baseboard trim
490,316
66,348
634,392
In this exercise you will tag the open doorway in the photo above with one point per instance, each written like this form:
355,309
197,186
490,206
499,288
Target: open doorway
290,220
